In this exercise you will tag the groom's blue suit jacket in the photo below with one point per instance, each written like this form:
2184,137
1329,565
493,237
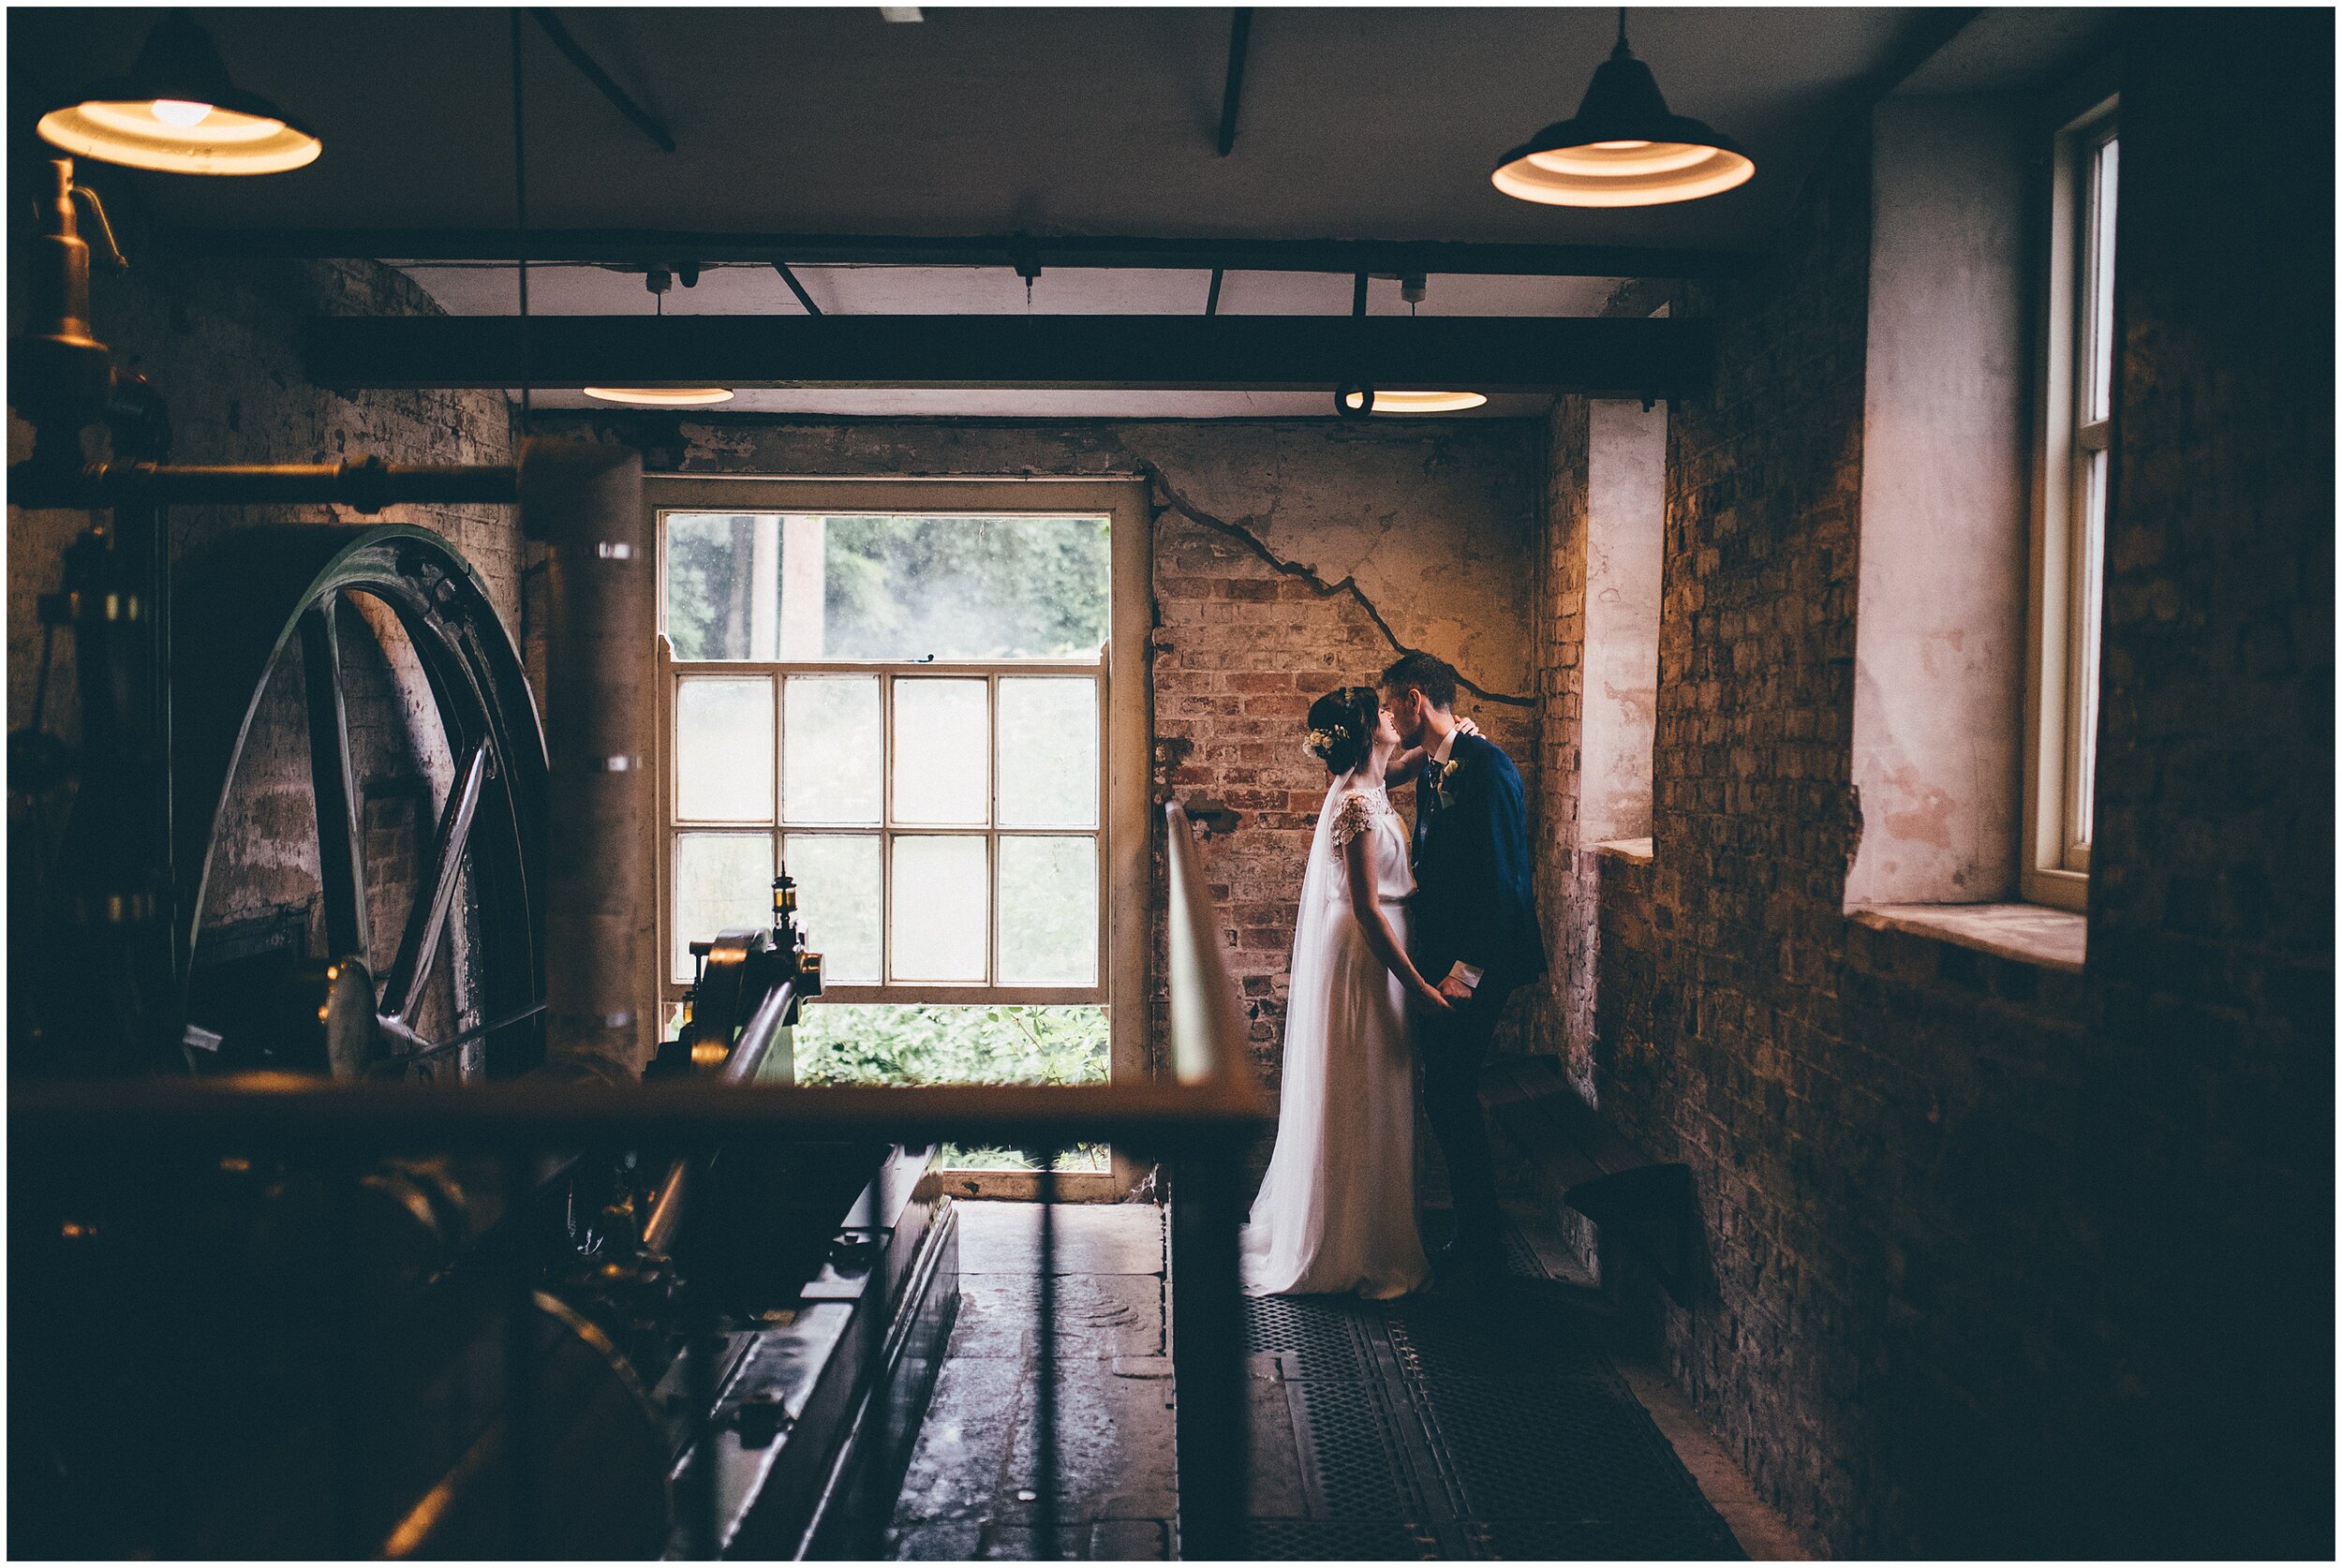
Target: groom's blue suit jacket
1474,899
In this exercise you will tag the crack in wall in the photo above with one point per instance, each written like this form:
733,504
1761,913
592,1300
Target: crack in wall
1193,514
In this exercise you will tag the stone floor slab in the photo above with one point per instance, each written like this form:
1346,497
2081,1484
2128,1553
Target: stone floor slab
1098,1315
1092,1238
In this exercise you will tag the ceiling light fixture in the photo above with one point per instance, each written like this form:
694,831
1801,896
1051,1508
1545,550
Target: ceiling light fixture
659,280
177,112
1415,402
1623,148
663,397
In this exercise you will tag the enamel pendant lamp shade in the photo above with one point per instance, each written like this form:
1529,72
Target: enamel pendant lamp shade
1418,402
176,112
661,397
1623,148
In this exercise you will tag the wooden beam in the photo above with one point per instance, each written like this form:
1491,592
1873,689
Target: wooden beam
1661,358
664,248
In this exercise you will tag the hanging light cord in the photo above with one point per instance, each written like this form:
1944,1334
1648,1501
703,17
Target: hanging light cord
520,215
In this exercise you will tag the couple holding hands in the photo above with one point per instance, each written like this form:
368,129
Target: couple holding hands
1403,949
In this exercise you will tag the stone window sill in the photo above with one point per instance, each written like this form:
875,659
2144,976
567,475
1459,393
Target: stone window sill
2028,933
1635,852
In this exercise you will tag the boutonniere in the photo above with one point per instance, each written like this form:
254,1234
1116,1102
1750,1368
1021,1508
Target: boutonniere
1443,777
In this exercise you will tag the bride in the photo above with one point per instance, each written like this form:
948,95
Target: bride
1336,1212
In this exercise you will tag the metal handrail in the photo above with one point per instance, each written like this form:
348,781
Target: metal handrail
283,1108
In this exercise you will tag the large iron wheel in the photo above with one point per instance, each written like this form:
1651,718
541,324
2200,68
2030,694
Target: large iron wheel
272,605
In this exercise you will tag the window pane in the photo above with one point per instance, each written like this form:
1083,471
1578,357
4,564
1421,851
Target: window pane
1048,751
2091,566
940,908
723,585
940,760
723,730
1048,911
720,879
2100,303
833,763
961,587
838,902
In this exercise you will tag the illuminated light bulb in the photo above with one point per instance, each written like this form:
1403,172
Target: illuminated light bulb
178,111
661,397
1418,402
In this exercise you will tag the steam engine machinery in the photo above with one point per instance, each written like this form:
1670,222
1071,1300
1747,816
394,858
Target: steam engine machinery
230,1342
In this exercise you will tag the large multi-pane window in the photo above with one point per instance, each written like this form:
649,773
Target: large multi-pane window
907,710
2079,411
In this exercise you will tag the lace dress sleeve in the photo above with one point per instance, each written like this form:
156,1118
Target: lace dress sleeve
1351,817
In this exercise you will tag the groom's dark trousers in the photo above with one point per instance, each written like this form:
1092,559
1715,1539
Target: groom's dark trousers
1455,1047
1475,903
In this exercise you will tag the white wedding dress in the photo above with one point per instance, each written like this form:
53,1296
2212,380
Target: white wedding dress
1336,1212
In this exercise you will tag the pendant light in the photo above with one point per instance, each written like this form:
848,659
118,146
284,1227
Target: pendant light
663,397
659,280
1624,149
1415,402
177,112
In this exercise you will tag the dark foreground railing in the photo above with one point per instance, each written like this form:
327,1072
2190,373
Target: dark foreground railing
1196,1121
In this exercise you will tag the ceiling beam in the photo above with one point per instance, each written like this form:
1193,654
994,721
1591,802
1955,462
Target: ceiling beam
642,246
1662,358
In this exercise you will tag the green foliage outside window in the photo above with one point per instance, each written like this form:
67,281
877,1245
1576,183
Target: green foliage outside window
874,1042
901,1043
904,587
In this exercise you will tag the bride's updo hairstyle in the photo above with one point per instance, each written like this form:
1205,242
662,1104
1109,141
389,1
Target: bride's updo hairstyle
1341,727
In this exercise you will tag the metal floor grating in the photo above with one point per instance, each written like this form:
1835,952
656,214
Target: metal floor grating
1440,1429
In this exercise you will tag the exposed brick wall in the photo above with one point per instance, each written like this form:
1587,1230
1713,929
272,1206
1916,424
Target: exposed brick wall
2211,901
1564,1001
2005,1260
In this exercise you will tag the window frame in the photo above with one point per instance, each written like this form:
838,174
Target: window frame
2065,604
1126,860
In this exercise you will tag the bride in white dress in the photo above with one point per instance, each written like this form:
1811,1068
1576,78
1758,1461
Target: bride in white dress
1336,1212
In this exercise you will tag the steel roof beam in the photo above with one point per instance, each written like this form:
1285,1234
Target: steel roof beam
1644,358
645,246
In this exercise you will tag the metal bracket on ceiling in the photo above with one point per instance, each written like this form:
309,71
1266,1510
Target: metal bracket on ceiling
1231,95
796,288
589,68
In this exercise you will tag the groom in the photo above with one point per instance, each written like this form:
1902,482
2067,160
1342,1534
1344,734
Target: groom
1473,934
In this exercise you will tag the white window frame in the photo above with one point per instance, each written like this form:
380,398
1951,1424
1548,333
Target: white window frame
2067,559
1125,881
888,828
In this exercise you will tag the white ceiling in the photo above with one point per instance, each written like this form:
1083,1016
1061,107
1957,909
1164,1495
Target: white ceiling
571,289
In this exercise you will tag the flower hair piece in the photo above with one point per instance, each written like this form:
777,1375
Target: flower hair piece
1321,743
